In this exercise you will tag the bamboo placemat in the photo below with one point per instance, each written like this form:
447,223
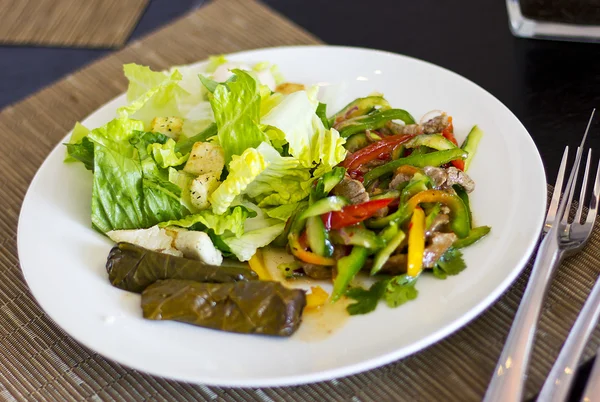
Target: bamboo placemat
39,361
77,23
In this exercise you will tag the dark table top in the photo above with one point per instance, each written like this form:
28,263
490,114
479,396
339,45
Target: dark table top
550,86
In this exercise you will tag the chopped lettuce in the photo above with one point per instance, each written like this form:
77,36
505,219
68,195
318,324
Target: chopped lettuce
231,223
165,154
236,106
243,169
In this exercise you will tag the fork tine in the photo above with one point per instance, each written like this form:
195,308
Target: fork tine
570,190
563,210
551,216
583,188
593,209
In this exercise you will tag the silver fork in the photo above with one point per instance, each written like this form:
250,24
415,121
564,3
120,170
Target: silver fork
562,238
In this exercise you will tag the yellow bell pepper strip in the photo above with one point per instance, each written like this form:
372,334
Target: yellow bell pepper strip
475,235
257,265
302,254
437,158
416,243
316,298
460,223
347,268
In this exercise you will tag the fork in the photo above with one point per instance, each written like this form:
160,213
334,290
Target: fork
562,238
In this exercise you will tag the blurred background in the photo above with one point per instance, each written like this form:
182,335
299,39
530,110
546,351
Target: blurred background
549,85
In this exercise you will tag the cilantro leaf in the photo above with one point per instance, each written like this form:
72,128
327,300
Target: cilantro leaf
366,300
451,263
399,290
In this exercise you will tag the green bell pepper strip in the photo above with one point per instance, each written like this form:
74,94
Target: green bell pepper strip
322,113
460,223
464,197
347,268
432,159
471,143
373,121
322,206
318,237
358,107
475,235
357,235
382,255
418,183
435,141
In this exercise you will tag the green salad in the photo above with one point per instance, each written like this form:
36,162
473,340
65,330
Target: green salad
214,164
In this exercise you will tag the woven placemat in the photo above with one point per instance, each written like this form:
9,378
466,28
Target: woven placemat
39,361
76,23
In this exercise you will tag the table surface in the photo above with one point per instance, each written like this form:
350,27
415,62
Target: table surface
550,86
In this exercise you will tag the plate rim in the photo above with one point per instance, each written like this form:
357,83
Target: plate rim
349,369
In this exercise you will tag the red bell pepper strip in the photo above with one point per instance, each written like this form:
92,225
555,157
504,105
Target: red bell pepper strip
374,151
448,133
353,214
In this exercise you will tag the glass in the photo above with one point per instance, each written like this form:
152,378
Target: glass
574,20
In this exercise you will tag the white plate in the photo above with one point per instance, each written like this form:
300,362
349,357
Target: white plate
63,258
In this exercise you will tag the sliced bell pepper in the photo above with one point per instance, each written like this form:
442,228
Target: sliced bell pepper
372,121
257,265
431,159
460,223
300,252
475,235
374,151
353,214
316,298
347,268
448,132
358,107
416,243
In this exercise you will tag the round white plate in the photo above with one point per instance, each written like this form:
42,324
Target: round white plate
63,258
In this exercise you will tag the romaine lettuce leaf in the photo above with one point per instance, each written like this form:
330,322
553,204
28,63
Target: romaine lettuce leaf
236,106
243,170
129,190
231,223
165,154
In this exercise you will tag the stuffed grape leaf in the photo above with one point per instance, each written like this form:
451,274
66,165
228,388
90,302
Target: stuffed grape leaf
134,268
253,307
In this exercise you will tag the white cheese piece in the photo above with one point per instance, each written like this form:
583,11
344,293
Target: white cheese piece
153,238
198,246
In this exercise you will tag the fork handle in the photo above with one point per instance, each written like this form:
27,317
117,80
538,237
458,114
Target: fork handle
509,376
560,379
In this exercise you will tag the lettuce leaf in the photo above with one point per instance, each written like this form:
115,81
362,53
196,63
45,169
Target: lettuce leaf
295,121
129,190
236,106
284,181
243,170
231,223
78,133
165,154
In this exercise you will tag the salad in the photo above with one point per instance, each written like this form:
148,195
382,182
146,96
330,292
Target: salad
205,167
